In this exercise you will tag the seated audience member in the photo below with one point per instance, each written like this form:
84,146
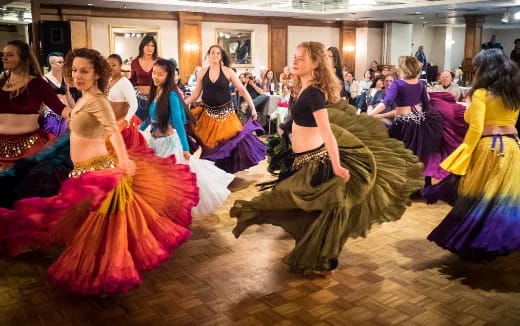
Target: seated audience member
286,75
257,94
282,109
351,86
269,82
459,77
446,85
379,96
374,66
376,86
385,71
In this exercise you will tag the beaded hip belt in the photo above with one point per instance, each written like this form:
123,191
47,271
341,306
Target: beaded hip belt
417,117
220,112
142,96
318,154
95,164
12,146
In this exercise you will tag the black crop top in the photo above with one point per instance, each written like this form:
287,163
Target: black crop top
59,90
311,99
217,93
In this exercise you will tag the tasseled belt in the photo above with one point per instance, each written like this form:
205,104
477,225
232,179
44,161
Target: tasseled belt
500,139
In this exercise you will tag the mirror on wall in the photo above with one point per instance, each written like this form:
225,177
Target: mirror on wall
125,40
239,44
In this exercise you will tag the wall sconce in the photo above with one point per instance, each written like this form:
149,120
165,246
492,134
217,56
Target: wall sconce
191,47
349,48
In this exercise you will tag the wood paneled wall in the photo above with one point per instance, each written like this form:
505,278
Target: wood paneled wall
277,47
472,43
80,32
347,46
190,43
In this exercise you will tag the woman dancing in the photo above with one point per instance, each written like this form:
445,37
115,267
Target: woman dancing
417,123
22,93
167,114
224,141
484,221
119,214
123,100
313,200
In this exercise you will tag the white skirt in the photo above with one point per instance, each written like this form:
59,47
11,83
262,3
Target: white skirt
211,180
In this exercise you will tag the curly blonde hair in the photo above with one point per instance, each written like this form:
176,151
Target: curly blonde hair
324,76
409,66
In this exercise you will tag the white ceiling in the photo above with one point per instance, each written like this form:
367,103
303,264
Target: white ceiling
431,12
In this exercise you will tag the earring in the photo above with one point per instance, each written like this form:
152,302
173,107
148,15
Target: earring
312,73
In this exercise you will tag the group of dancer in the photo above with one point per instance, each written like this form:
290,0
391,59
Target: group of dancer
120,200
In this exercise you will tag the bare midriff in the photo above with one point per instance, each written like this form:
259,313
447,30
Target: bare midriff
120,109
499,130
305,138
18,124
84,149
407,109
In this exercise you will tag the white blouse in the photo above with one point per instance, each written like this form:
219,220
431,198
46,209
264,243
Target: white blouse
123,91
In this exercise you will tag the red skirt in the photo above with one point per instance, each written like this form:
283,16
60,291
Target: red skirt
113,226
131,134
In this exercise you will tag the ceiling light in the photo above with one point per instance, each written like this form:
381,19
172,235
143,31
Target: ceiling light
517,15
417,12
90,4
425,22
421,17
505,18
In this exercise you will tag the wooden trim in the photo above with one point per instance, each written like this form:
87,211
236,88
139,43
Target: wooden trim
263,20
36,17
277,60
110,12
363,23
174,15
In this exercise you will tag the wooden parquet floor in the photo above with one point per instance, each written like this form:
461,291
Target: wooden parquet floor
393,277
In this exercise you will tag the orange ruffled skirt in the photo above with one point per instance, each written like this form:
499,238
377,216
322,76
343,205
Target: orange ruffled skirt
113,227
212,132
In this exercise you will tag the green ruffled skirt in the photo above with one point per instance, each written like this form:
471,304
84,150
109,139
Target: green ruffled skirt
321,216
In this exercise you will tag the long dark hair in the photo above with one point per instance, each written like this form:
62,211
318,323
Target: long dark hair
100,64
147,39
499,75
225,57
336,58
163,103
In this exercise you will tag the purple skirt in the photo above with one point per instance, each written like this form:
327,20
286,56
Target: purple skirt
240,152
421,132
454,127
53,123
